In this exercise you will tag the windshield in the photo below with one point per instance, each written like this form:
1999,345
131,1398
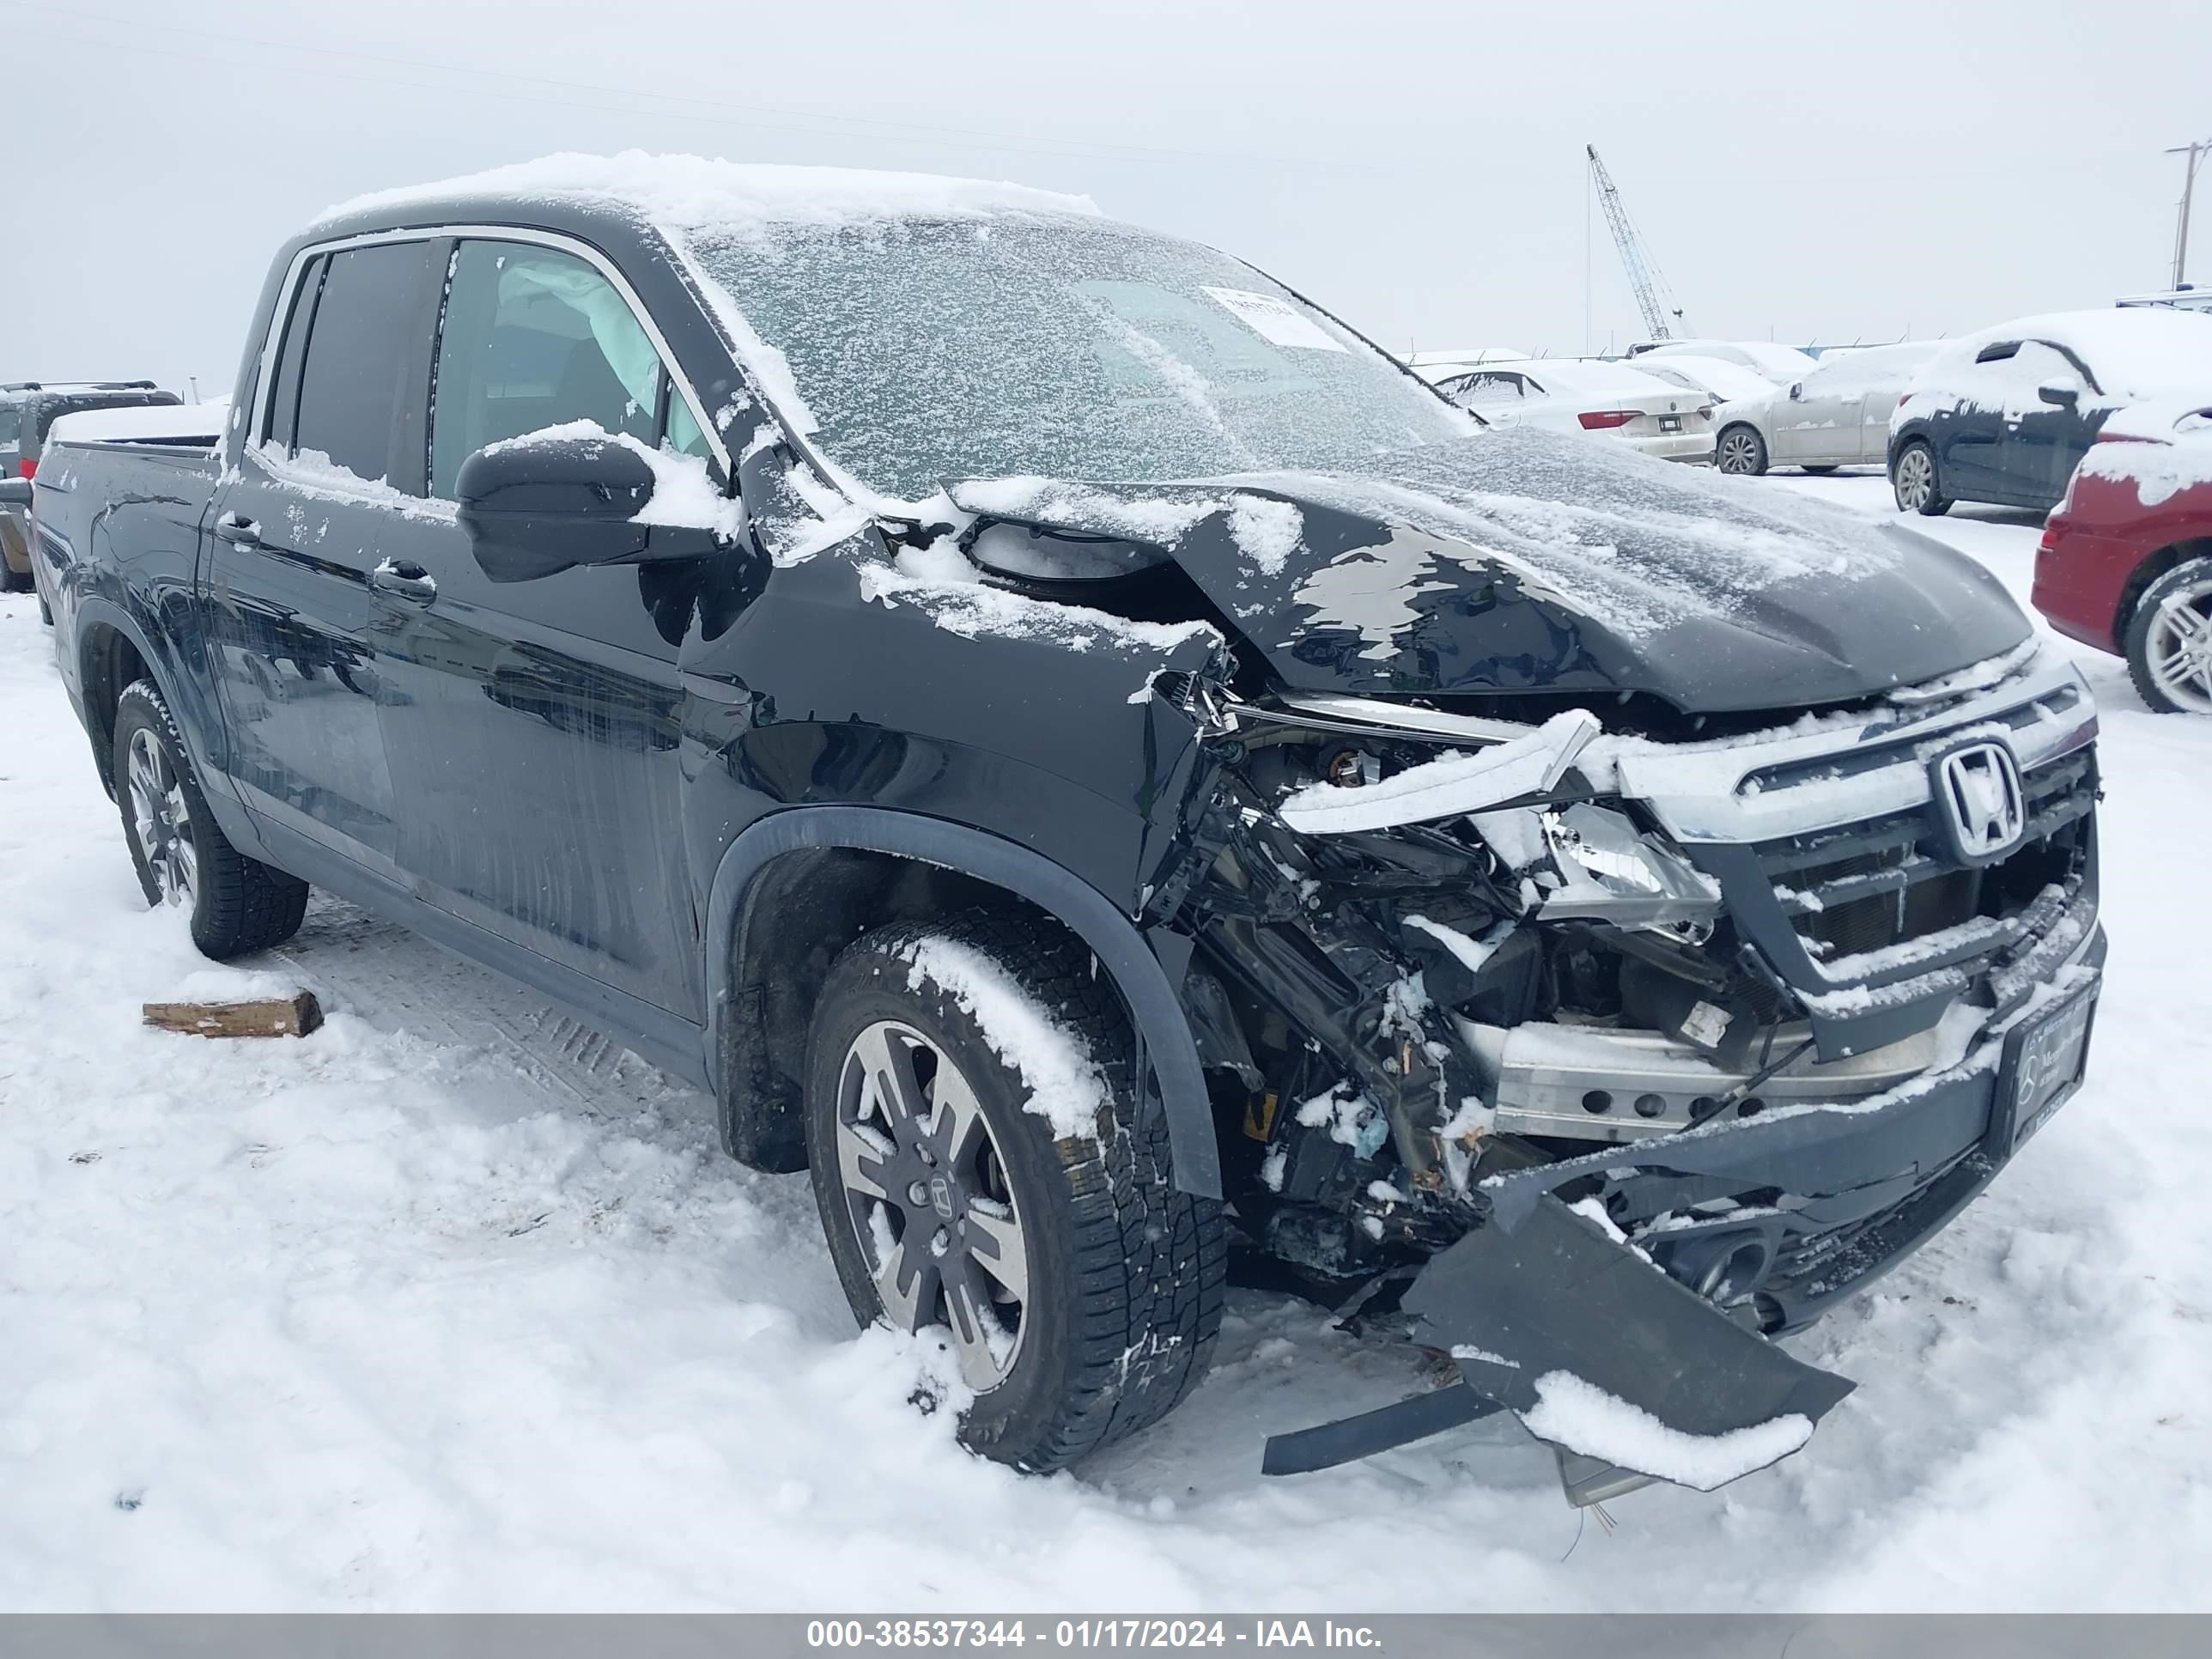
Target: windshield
1074,347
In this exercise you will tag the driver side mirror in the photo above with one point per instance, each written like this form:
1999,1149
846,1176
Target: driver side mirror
2059,393
541,503
1797,392
15,492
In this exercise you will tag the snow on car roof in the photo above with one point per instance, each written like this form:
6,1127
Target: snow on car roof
684,191
165,423
2135,353
1556,374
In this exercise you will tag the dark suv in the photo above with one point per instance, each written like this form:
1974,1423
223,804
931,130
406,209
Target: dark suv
1079,749
27,409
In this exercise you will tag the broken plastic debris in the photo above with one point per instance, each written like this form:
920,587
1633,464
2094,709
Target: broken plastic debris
1446,788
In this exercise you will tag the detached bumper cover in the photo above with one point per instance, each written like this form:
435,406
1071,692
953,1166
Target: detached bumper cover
1627,1370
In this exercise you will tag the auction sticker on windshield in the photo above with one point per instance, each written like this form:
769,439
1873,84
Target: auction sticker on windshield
1273,320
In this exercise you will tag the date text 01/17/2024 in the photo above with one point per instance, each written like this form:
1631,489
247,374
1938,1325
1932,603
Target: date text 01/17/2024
1087,1633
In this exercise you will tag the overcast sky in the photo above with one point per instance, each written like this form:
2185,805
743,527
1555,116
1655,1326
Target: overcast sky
1824,173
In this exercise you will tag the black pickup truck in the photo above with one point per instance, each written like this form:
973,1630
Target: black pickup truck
1075,746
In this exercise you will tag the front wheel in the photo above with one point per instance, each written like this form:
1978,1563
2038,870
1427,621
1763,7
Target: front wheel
1914,481
237,904
984,1172
2169,641
1740,451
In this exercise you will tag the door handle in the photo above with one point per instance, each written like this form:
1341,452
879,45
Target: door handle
405,578
237,529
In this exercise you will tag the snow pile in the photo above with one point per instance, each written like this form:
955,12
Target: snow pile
1446,787
1067,1088
1266,531
1140,515
315,474
940,582
685,493
1582,1417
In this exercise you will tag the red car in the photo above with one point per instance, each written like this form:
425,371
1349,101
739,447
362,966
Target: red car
2126,560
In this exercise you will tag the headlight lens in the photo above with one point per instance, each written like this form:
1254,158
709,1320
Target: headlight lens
1601,867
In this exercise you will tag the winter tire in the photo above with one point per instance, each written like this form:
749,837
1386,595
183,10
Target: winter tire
1740,451
1080,1292
2168,641
15,582
1915,482
237,904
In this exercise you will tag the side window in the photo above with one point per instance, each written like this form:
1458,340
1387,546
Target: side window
284,394
535,338
370,334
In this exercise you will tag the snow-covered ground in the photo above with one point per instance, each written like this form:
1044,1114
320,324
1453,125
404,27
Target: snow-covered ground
451,1306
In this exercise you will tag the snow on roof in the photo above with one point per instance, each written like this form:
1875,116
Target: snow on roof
1467,355
685,192
2135,352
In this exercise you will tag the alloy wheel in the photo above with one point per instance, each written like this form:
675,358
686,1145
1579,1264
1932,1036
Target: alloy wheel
1739,453
1916,479
926,1191
2178,646
162,820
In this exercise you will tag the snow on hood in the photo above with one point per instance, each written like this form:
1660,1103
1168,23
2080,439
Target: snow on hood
1523,560
688,191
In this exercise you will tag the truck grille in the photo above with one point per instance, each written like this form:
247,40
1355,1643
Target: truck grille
1864,886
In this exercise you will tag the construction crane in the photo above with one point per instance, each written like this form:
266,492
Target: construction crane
1653,297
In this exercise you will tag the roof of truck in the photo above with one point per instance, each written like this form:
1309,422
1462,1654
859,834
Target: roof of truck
684,191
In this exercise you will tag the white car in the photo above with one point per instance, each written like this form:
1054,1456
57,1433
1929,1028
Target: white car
1719,380
1459,357
1573,394
1837,416
1781,364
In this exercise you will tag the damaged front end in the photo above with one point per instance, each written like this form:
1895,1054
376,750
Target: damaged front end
1600,1061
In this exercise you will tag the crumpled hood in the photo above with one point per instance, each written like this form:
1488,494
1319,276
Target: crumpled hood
1525,561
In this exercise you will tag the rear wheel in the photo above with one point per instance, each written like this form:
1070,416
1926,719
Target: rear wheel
237,904
1914,480
15,582
1740,451
1079,1290
2169,641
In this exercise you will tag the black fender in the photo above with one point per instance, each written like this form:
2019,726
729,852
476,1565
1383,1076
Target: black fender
193,713
1144,985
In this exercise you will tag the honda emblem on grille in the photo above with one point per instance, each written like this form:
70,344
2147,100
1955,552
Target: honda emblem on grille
1977,796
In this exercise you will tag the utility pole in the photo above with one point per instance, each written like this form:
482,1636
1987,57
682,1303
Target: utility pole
2195,152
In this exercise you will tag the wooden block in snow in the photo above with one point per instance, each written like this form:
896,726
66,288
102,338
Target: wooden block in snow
264,1017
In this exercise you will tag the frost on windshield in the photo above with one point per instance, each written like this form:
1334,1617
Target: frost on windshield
1052,345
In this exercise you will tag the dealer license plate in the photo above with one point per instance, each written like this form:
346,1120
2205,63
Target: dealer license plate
2043,1059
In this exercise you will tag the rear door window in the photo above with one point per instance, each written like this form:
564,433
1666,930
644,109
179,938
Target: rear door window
284,393
361,402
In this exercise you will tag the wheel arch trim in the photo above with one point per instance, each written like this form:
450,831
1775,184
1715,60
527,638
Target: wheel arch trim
1136,971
